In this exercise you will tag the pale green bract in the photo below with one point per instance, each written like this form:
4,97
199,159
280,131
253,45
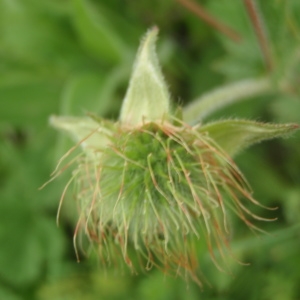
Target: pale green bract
147,100
147,97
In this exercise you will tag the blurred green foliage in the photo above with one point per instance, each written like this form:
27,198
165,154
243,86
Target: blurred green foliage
74,56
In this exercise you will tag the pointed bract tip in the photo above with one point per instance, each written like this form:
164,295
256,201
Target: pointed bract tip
147,97
149,38
154,30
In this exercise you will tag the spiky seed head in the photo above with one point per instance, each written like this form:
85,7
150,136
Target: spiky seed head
158,188
156,185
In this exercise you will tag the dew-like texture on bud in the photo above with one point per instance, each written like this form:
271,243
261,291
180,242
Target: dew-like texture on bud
160,189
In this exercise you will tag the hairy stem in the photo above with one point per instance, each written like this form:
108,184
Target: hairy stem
214,100
260,31
199,11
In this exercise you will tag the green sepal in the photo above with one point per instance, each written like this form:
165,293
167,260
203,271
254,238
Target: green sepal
236,135
91,134
147,97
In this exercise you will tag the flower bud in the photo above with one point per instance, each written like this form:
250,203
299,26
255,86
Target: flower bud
153,184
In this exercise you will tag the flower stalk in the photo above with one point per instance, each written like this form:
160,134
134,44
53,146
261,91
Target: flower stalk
202,107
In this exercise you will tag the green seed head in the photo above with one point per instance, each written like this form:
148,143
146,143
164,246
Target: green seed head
159,188
156,185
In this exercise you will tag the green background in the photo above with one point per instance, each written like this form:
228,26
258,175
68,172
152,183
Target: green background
69,57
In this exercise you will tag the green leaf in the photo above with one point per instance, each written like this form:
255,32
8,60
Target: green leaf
97,35
81,94
31,245
282,37
91,92
240,62
28,102
236,135
35,38
7,294
147,97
